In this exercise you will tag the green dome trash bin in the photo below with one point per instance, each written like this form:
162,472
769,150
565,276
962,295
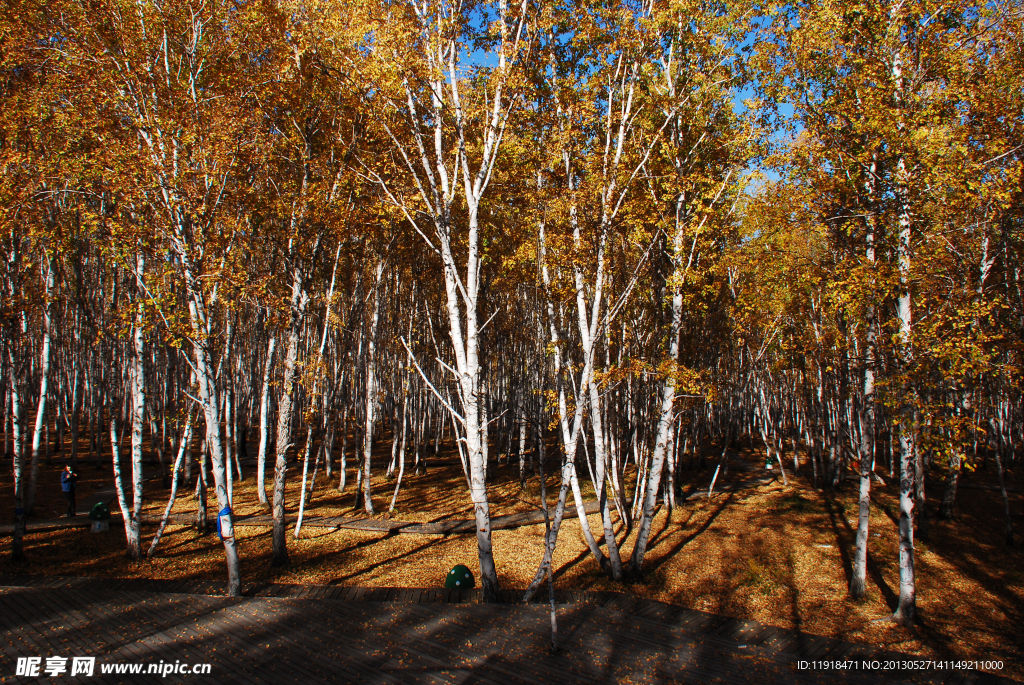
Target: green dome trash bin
99,516
459,578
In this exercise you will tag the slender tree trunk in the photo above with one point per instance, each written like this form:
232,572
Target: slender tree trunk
570,440
44,379
229,435
952,479
546,564
601,482
858,583
17,461
721,461
401,451
76,409
371,390
663,437
115,453
906,612
1002,486
199,318
662,440
305,473
202,510
134,523
186,439
279,556
261,459
920,512
343,458
522,446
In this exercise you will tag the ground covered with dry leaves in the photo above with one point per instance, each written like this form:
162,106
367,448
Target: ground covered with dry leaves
779,554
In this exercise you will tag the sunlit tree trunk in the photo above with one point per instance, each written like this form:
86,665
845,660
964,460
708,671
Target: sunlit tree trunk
261,458
18,462
907,609
44,380
866,416
299,298
571,426
663,436
199,318
133,524
184,446
371,390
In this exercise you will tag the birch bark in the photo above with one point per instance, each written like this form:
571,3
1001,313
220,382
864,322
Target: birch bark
134,522
299,298
261,459
906,611
18,462
371,391
200,322
866,414
435,171
44,380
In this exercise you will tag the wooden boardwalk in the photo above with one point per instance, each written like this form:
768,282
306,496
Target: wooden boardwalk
382,525
443,527
291,633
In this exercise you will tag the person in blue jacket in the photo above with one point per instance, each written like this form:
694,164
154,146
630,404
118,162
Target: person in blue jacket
67,484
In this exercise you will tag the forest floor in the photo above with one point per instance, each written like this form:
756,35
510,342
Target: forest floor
781,555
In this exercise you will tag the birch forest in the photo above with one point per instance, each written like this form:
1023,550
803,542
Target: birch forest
595,243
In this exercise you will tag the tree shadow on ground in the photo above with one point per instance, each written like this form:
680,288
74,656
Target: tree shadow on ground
846,538
654,564
339,554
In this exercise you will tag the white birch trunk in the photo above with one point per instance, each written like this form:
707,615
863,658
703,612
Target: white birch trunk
570,438
133,518
199,318
185,441
279,556
906,611
44,379
371,391
858,583
261,459
18,465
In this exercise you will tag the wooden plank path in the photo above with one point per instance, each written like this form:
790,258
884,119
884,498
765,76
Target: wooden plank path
744,476
444,527
293,633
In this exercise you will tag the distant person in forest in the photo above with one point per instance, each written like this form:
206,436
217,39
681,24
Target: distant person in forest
67,484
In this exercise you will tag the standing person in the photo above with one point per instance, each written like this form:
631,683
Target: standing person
67,484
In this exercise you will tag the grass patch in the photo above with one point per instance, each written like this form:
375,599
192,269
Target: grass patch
760,576
795,503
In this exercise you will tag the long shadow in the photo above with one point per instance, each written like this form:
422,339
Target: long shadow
885,508
979,567
831,505
119,623
662,532
564,568
890,597
366,543
723,503
168,551
974,568
279,640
